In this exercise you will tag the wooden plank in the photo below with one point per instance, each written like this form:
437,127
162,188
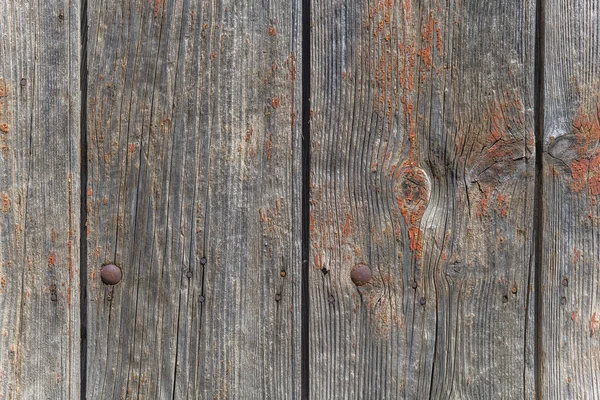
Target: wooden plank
194,192
571,254
39,189
423,169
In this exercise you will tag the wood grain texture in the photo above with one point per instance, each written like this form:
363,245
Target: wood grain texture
39,196
571,252
194,152
423,168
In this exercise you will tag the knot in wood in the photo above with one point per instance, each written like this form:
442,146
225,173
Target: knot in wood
361,274
412,191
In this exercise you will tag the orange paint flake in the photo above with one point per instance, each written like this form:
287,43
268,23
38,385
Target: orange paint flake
318,261
346,229
585,170
52,259
158,6
269,145
592,324
3,88
502,206
483,205
5,202
4,128
275,102
576,254
439,40
425,52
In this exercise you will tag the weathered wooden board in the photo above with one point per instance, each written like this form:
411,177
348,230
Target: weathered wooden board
423,168
39,190
571,252
194,191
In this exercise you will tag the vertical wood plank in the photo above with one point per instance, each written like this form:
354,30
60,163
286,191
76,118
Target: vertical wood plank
194,192
39,197
571,251
423,169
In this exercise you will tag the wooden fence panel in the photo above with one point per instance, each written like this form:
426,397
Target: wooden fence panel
40,196
422,179
571,252
194,192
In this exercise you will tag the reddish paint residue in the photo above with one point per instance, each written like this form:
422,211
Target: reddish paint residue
586,169
5,202
158,6
347,229
576,254
592,324
275,102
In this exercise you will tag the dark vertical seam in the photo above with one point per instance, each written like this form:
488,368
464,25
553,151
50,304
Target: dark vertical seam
83,206
305,378
538,199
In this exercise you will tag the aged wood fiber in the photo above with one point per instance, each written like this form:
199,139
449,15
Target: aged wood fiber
571,252
423,168
194,191
39,199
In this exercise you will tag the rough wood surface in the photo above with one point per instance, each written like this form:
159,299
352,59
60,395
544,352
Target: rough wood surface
39,199
423,168
571,252
194,152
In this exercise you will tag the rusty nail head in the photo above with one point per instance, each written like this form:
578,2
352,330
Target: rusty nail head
110,274
514,290
201,299
23,81
422,301
277,297
565,282
282,273
360,274
203,261
189,274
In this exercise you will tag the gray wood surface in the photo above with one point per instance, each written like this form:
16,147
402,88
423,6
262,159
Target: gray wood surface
423,168
39,199
194,152
571,252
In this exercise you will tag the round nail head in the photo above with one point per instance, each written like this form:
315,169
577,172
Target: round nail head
110,274
361,274
203,261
